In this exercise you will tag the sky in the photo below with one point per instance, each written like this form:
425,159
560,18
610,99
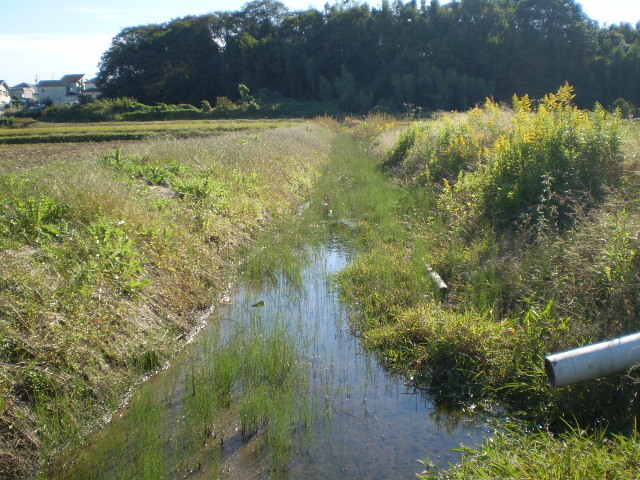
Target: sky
46,39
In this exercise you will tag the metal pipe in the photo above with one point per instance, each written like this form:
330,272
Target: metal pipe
593,361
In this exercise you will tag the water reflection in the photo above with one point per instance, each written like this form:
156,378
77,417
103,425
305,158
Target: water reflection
365,424
368,424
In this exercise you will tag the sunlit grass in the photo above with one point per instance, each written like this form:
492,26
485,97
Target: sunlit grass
575,454
103,271
251,382
551,272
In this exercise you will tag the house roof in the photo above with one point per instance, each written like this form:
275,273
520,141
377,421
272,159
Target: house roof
50,83
23,85
2,81
72,78
63,82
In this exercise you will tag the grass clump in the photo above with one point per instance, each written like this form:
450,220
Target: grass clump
573,455
255,378
272,380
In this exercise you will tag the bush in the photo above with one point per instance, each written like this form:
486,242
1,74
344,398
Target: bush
119,109
103,110
224,106
8,122
536,167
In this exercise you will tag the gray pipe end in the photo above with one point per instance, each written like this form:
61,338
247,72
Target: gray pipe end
551,375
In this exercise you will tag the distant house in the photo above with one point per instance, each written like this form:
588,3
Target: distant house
59,92
91,90
24,91
5,94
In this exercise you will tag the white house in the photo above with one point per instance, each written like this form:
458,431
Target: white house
91,90
24,91
66,90
5,94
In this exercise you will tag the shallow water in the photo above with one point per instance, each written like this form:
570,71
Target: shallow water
375,426
366,424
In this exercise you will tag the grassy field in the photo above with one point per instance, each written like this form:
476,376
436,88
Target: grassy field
30,132
109,255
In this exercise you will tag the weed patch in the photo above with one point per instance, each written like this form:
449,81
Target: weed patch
539,455
529,216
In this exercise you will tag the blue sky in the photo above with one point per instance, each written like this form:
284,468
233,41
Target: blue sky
48,39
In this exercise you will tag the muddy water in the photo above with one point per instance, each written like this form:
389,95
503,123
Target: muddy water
365,424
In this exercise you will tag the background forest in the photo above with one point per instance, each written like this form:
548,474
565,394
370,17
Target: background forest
396,56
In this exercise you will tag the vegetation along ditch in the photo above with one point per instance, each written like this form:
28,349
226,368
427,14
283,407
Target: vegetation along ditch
530,215
277,385
527,212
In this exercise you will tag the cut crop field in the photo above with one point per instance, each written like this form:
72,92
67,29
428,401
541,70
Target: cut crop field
46,132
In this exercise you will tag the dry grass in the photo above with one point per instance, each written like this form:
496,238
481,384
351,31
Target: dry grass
15,158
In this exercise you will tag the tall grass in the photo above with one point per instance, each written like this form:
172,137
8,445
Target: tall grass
529,214
512,208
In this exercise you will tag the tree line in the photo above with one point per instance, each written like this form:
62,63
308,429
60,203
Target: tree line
394,56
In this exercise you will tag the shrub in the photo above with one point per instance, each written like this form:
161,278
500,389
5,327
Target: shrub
7,122
537,168
224,106
103,110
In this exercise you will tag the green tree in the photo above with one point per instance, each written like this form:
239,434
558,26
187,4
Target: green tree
437,56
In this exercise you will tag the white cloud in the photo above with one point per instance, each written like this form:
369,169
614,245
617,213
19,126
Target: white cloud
612,11
50,55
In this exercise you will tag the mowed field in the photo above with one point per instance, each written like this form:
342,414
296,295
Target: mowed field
46,132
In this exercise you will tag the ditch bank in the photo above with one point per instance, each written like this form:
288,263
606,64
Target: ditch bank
107,262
